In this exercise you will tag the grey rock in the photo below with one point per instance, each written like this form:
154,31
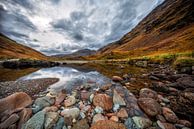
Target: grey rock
129,124
117,99
50,119
60,123
142,122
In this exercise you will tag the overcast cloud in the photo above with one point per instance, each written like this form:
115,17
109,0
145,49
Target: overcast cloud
64,26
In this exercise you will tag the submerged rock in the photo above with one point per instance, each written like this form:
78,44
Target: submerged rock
104,101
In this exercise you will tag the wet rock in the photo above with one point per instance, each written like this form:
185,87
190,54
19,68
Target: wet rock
169,115
82,124
129,124
50,119
142,122
143,64
98,110
14,102
51,109
122,113
104,101
165,125
24,115
41,103
71,112
61,96
114,118
147,93
117,99
36,121
60,123
185,123
117,79
150,106
70,101
8,122
98,117
107,124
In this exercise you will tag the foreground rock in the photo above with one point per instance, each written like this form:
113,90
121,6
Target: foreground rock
107,124
104,101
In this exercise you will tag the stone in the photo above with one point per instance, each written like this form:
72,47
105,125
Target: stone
147,93
117,99
117,79
70,101
82,124
85,95
122,113
51,109
143,64
169,115
24,115
14,102
42,102
104,101
8,122
70,112
160,118
129,124
98,117
61,96
98,110
36,121
106,87
114,118
150,106
107,124
50,119
116,107
165,125
14,126
185,123
91,98
60,123
142,122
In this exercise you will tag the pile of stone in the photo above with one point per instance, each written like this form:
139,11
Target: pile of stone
88,107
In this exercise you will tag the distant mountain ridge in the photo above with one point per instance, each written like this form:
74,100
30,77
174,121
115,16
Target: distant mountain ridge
168,28
10,49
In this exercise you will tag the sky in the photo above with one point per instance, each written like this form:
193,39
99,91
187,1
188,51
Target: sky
65,26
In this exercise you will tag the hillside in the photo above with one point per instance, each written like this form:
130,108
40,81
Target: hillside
10,49
167,29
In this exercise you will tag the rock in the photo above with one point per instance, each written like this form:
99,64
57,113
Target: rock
104,101
14,102
41,103
8,122
60,123
114,118
82,124
117,99
68,121
185,123
116,107
70,101
107,124
50,119
169,115
147,93
85,95
143,64
129,124
98,110
14,126
117,79
165,125
36,121
91,98
142,122
98,117
24,115
154,78
160,118
61,96
51,109
150,106
106,87
122,113
71,112
82,114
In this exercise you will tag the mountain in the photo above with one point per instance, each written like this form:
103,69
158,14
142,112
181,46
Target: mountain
77,55
10,49
168,28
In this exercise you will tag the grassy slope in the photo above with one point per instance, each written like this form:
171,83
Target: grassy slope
10,49
167,29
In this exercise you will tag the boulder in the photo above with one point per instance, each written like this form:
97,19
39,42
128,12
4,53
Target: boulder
147,93
117,99
36,121
169,115
14,102
82,124
107,124
150,106
142,122
24,115
98,117
8,122
50,119
104,101
69,101
117,79
70,112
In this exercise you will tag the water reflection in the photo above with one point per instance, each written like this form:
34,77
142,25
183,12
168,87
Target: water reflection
69,77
